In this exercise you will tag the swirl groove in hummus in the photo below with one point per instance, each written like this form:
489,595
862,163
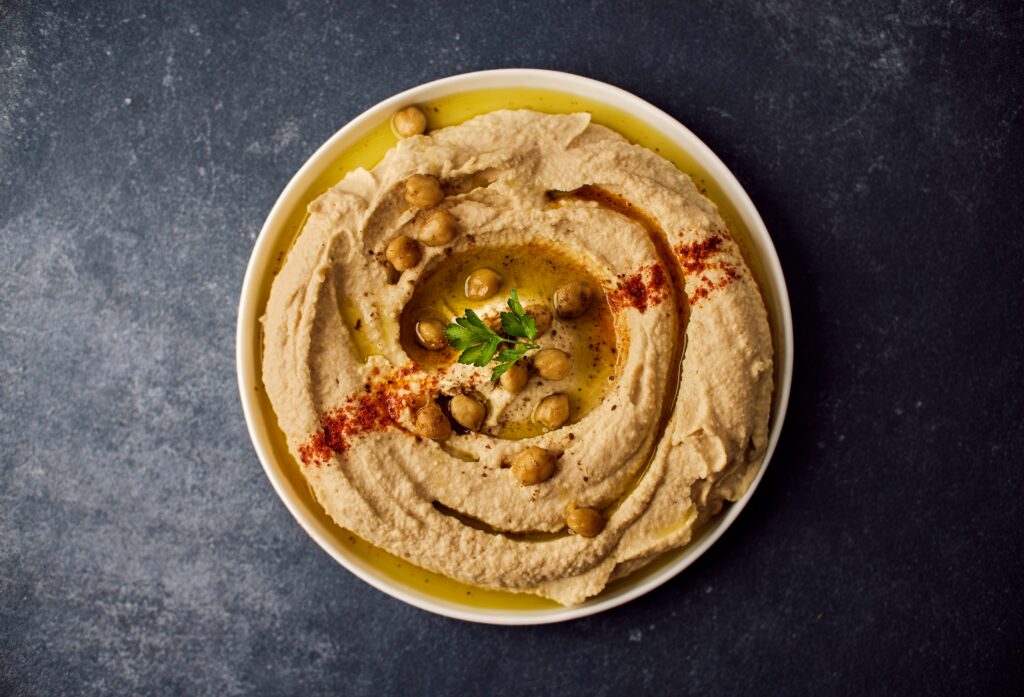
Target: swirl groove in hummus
670,391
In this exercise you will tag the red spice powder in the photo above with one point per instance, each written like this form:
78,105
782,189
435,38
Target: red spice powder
377,408
694,257
697,260
645,288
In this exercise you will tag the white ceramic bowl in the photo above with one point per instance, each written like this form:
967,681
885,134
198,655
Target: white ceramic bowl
267,254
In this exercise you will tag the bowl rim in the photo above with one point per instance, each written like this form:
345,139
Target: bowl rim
248,322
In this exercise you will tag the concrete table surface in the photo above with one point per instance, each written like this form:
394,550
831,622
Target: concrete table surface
142,550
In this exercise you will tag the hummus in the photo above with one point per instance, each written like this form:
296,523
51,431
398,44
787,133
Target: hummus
670,385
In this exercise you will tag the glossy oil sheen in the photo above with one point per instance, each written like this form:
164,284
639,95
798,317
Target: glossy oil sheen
535,271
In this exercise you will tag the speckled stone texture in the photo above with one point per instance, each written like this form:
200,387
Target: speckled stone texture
142,550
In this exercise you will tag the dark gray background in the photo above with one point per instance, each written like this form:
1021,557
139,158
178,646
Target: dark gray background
142,550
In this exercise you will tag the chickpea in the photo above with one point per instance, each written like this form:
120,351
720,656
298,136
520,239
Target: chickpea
552,364
533,466
553,411
423,191
467,411
430,334
541,315
432,423
587,522
514,379
409,122
573,299
403,253
482,284
439,228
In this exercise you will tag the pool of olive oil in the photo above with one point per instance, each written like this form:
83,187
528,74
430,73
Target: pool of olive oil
369,150
535,271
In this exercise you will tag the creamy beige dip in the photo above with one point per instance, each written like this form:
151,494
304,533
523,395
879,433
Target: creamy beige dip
671,384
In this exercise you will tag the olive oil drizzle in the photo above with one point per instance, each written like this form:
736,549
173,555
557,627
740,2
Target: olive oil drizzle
477,524
536,270
617,204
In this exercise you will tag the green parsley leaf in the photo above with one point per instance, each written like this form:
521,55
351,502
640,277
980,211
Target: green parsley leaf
508,357
517,322
478,343
473,338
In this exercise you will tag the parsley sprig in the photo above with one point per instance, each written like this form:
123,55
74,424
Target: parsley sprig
479,343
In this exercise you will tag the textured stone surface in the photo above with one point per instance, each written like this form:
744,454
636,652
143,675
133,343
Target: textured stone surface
142,549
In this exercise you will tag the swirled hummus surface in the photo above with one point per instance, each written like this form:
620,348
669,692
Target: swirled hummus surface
670,385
